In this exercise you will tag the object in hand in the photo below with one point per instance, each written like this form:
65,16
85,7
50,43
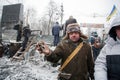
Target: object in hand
40,46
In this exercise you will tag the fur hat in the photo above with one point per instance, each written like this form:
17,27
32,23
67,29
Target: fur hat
74,27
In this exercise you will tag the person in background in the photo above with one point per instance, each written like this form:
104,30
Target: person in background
107,65
40,33
81,66
104,37
56,32
96,47
26,35
18,27
93,36
69,21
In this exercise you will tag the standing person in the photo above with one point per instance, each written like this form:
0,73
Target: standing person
94,35
96,47
26,35
69,21
107,65
55,32
18,27
40,33
81,65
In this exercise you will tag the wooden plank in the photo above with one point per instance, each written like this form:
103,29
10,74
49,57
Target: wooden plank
21,57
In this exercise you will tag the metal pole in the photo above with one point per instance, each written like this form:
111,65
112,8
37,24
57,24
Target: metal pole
61,13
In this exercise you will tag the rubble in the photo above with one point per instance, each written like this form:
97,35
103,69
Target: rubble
33,67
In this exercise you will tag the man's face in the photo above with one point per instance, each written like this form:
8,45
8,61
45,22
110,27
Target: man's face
74,36
97,44
118,32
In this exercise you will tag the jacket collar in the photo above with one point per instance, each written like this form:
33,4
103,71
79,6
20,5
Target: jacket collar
79,41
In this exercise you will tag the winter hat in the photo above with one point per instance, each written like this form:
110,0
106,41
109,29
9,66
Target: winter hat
94,34
115,23
74,27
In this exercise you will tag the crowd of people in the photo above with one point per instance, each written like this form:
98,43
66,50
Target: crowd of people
81,60
82,57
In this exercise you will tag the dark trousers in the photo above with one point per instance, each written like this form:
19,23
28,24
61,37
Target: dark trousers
24,43
18,36
56,40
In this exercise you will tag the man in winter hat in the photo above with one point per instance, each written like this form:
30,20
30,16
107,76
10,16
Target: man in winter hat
74,27
81,65
107,65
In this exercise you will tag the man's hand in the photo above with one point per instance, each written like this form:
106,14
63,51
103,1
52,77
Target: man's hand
43,48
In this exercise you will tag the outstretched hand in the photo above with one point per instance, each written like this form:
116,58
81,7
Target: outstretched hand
43,48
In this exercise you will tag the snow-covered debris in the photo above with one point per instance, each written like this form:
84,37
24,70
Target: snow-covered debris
34,69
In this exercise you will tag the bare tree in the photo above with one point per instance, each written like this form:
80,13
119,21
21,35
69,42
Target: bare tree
44,24
30,17
53,14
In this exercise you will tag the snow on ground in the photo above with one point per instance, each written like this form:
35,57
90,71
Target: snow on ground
34,69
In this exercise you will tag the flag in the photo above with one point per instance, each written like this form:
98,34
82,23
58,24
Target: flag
114,10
